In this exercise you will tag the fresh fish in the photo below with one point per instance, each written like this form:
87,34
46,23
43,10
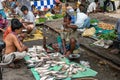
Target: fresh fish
81,69
52,78
44,78
60,76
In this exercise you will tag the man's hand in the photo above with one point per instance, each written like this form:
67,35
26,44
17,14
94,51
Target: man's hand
21,20
64,24
25,48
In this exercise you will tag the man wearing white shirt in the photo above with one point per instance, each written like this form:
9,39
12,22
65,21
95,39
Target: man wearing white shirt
92,7
2,10
29,19
82,21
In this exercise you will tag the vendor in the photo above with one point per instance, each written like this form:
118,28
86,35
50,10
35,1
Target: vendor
29,20
12,42
69,36
82,19
107,3
92,8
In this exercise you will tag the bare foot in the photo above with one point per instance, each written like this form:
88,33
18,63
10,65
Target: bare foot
67,54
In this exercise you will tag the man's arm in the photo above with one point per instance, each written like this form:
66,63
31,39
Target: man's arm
74,27
27,22
63,44
20,47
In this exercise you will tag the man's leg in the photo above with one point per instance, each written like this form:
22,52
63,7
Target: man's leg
86,23
72,44
72,47
113,3
29,28
105,4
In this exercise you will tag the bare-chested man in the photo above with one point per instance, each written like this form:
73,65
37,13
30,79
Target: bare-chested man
12,41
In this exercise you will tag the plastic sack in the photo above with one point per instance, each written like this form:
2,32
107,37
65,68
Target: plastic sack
89,32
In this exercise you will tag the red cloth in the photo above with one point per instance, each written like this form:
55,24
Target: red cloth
57,1
7,31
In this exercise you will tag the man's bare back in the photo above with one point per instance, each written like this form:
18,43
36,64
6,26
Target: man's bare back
13,44
10,46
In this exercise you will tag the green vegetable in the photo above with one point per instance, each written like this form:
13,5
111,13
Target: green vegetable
40,20
108,36
94,21
57,16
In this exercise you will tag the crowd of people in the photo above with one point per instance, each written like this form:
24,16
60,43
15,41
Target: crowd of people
74,19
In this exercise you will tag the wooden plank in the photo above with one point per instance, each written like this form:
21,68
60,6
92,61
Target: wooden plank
101,52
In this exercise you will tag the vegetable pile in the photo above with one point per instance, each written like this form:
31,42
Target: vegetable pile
40,20
106,26
108,36
57,16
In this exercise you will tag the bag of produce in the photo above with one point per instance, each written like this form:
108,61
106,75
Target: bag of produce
89,32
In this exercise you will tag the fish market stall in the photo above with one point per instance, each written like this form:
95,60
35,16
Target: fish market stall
87,42
54,66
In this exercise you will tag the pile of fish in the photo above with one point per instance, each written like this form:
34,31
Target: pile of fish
44,64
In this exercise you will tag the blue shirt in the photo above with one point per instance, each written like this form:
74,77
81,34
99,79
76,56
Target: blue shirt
118,26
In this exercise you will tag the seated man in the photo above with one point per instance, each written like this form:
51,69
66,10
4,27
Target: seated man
70,35
92,7
107,3
82,20
13,44
29,20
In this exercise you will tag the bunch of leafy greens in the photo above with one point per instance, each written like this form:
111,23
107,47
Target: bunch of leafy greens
94,21
108,36
57,16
